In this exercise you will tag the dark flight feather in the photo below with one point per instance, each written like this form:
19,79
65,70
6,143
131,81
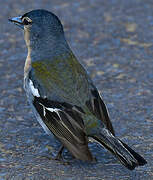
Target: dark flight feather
98,108
128,157
66,124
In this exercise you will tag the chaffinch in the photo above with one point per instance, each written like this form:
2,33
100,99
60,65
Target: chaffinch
62,95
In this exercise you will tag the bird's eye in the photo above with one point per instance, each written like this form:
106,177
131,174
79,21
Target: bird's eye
26,21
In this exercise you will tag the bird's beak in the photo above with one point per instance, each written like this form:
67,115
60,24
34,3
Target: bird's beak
17,21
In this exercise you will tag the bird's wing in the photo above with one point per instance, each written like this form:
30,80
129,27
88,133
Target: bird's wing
96,105
64,121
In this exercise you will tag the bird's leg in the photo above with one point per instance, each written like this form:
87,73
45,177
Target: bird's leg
59,154
60,157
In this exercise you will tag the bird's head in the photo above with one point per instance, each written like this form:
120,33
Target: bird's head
40,28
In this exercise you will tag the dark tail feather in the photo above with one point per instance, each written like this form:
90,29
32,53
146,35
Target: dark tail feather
128,157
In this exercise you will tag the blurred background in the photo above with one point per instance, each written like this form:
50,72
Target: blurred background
114,41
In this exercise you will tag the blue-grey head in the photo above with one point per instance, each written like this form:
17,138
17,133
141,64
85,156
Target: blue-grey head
43,31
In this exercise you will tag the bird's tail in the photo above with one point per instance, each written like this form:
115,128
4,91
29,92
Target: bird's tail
128,157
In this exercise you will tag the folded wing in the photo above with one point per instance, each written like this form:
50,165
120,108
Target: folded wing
65,122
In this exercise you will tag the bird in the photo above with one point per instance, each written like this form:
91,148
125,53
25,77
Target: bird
62,95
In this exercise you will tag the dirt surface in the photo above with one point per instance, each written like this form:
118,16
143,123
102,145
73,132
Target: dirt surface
114,41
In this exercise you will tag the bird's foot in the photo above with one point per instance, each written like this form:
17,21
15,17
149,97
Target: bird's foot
60,158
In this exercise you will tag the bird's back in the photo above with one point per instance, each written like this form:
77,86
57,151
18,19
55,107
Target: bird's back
63,78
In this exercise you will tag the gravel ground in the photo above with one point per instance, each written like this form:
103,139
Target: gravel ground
114,41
